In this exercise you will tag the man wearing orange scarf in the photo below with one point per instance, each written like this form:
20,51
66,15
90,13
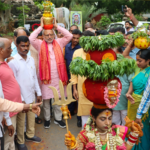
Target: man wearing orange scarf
52,67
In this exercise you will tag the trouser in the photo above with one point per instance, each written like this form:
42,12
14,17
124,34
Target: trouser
9,140
56,108
2,140
84,120
30,126
118,117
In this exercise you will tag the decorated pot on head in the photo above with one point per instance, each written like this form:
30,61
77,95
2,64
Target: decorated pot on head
101,68
48,15
141,39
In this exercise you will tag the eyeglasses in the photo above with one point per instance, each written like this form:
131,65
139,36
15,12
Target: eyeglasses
49,35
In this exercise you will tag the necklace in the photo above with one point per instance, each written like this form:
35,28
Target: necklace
100,132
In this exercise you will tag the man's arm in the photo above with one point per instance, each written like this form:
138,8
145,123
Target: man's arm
131,16
67,37
37,88
145,101
36,43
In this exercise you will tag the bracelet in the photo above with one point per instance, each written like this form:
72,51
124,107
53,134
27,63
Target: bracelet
131,17
30,106
73,147
132,138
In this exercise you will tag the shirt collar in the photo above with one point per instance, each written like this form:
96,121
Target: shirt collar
18,56
13,45
76,47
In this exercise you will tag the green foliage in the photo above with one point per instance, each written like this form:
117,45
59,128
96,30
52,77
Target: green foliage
137,34
97,12
139,17
101,43
10,33
4,6
21,15
117,17
107,70
103,23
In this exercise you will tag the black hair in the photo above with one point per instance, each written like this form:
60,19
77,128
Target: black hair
15,33
144,54
129,22
101,32
119,49
88,33
130,32
22,39
40,34
96,111
27,32
74,25
120,29
112,30
76,31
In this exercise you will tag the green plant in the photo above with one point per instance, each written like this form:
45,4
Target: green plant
103,23
22,16
139,17
101,43
10,33
47,6
107,70
116,17
137,34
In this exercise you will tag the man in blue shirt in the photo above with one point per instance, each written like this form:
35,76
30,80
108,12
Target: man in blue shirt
71,47
134,50
69,50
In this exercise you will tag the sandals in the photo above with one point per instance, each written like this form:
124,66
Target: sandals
38,120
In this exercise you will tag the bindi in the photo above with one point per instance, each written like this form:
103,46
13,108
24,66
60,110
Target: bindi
107,113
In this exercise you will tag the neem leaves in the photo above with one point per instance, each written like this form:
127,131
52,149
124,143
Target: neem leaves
101,43
107,70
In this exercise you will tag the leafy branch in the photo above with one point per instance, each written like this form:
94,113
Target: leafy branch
138,34
101,43
107,70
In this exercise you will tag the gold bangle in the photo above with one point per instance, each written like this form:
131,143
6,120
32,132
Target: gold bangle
30,106
73,147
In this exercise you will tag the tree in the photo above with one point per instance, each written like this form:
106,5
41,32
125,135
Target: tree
5,14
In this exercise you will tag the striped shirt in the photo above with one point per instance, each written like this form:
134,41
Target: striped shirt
145,101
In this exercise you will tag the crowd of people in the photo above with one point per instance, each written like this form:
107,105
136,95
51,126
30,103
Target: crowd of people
31,63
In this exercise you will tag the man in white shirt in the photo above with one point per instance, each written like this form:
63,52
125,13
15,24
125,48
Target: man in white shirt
24,70
8,121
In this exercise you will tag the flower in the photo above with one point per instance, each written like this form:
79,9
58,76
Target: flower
119,140
90,135
90,146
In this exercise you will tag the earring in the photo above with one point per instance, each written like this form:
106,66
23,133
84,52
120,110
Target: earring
93,123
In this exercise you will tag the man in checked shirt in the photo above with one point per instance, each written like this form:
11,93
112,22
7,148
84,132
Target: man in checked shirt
144,105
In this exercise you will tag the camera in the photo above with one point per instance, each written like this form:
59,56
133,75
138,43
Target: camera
124,8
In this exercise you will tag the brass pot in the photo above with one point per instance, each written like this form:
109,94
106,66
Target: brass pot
48,20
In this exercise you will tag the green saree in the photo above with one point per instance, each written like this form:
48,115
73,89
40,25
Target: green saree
139,82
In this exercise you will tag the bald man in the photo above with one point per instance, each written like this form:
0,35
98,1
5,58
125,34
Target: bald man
17,33
11,90
88,25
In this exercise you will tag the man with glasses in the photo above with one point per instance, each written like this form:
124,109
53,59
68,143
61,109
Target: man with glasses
52,67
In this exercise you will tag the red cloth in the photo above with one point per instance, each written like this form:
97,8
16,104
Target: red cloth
10,86
44,63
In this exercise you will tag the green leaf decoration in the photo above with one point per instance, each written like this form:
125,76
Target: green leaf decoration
138,34
107,70
107,41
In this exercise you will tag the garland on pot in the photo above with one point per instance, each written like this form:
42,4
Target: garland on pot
102,42
107,70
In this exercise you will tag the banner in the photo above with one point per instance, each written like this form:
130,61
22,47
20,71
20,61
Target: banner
76,18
